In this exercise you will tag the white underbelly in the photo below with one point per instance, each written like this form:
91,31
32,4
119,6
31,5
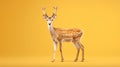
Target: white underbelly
67,39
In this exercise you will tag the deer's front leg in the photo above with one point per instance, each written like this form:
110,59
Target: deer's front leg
62,59
54,52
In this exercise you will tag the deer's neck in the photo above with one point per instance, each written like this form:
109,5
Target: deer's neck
52,30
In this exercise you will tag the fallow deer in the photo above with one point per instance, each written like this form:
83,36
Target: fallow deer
63,35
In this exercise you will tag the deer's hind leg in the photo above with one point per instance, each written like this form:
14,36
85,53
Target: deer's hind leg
78,50
82,48
79,46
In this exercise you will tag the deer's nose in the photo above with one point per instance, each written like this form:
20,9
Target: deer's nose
49,23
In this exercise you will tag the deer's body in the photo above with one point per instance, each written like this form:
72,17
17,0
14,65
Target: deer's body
64,35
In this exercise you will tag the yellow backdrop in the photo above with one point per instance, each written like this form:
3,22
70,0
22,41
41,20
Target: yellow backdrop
24,32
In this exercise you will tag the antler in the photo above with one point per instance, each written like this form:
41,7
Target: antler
44,13
55,10
54,13
43,10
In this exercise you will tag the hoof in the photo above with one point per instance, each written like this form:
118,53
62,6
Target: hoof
53,60
82,60
75,60
62,60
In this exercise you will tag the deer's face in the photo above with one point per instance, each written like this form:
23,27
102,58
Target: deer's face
49,20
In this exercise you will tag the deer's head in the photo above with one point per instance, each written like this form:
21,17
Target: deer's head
47,18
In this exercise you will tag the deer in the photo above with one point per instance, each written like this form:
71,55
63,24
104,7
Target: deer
63,35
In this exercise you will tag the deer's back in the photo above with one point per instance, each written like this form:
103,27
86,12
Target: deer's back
68,34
